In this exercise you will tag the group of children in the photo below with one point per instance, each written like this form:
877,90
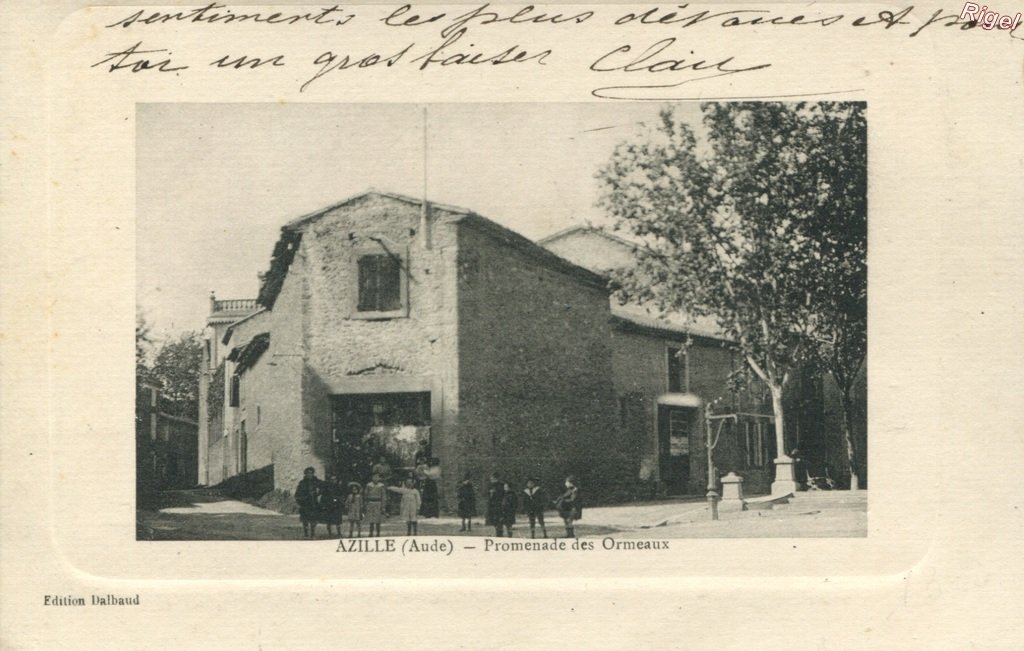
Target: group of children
326,501
503,504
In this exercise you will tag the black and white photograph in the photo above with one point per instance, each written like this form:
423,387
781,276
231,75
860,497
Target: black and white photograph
525,322
499,326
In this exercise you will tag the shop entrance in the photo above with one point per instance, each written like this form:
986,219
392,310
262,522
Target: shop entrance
674,424
372,426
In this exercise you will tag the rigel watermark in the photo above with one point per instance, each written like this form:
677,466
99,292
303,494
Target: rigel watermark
989,19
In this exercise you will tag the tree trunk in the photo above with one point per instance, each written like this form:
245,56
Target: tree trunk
846,404
780,435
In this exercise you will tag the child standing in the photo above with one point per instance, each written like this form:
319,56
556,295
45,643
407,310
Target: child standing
354,506
410,507
570,506
534,502
374,498
466,495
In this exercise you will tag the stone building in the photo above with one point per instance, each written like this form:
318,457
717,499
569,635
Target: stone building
746,445
379,325
667,370
165,443
383,322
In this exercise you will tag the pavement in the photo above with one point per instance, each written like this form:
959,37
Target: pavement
225,506
812,514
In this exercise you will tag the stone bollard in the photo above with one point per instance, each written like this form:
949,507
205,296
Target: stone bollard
732,493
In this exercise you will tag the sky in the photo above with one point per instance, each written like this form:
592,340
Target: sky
215,182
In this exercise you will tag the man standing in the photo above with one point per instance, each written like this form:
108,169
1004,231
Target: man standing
307,495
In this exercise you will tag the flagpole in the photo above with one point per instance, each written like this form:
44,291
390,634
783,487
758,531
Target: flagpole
424,223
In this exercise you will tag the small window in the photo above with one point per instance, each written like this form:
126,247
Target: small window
235,391
380,283
677,381
257,414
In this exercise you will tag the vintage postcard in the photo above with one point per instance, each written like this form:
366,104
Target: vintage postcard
570,320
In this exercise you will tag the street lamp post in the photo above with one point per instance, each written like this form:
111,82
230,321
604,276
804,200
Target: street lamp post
711,444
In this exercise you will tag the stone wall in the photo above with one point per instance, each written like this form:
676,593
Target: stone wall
535,375
641,375
349,353
288,439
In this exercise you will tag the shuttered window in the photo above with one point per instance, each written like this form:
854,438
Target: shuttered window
380,283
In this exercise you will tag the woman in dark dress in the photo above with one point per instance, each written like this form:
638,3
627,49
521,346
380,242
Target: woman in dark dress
431,503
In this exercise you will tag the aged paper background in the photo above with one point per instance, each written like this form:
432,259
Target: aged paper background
939,568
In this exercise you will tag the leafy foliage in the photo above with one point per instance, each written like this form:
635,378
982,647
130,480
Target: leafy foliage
143,343
176,368
215,394
755,227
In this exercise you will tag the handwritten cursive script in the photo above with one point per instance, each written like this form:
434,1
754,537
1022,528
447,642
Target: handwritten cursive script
652,60
631,69
131,59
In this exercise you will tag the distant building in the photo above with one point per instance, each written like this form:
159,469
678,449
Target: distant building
382,322
813,416
166,450
667,369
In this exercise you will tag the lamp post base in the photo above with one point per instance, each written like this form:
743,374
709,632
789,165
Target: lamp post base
785,482
713,503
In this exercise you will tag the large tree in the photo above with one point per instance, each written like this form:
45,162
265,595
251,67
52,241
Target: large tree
730,225
176,368
836,280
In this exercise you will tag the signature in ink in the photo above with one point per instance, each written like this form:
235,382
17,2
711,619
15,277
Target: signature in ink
651,61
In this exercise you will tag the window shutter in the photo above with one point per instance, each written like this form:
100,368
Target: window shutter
390,284
367,268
